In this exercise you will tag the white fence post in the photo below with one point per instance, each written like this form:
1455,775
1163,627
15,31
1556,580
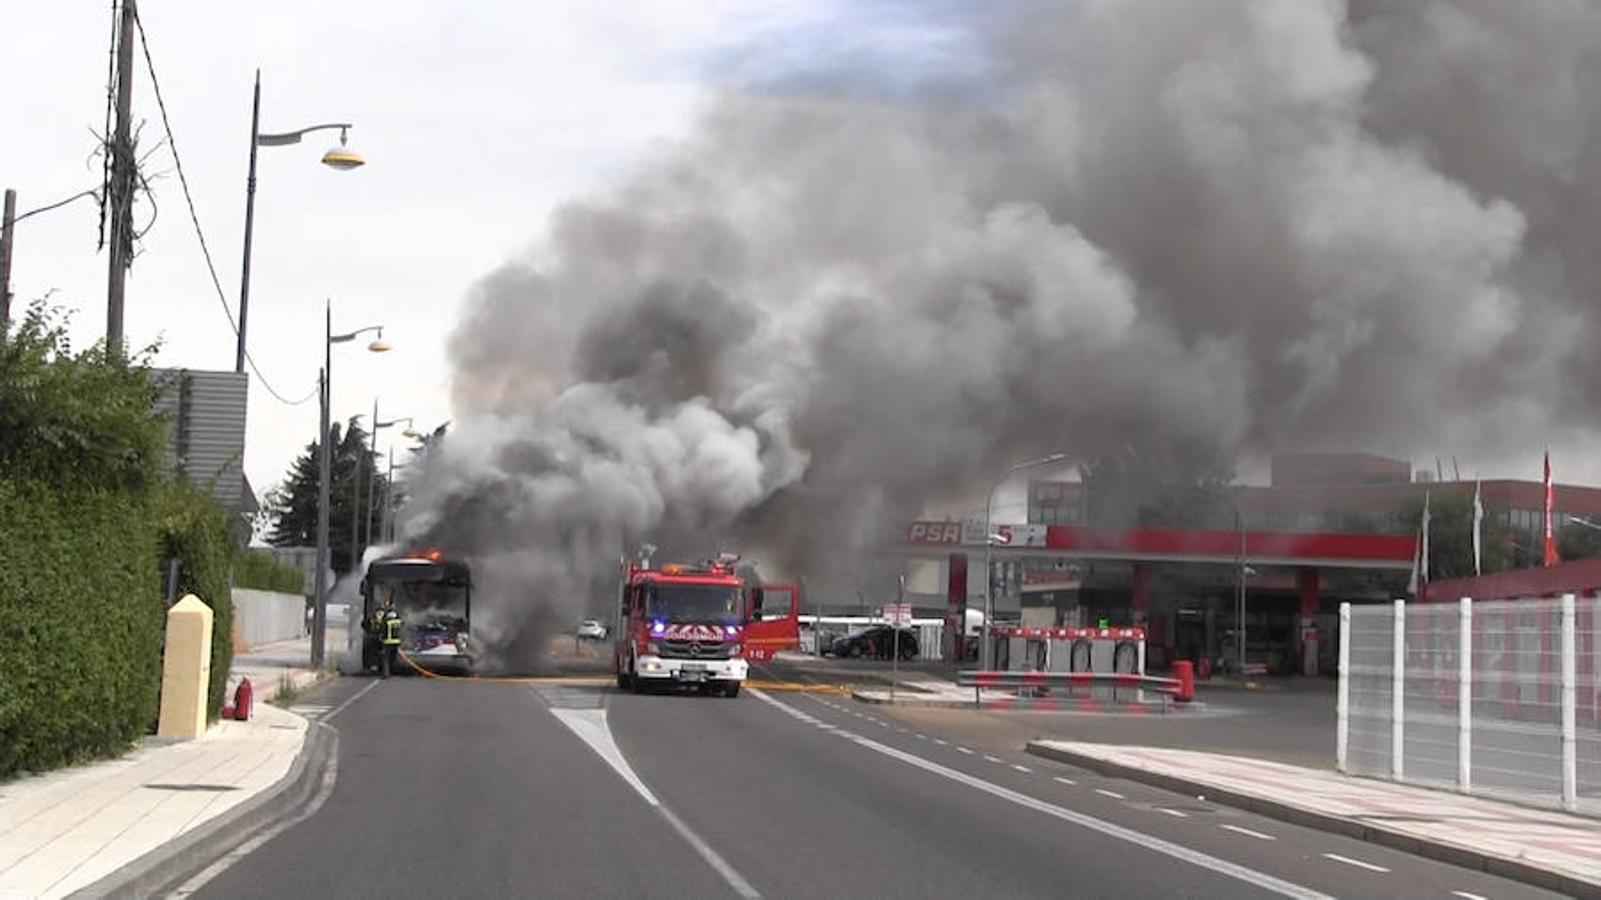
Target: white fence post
1342,703
1397,694
1570,757
1464,695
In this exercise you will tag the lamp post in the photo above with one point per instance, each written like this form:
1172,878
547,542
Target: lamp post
319,620
1242,568
372,453
986,652
340,157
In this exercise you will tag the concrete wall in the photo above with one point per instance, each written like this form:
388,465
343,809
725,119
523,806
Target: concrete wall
262,617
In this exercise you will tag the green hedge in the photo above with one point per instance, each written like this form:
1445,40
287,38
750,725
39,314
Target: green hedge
194,529
80,624
263,572
86,519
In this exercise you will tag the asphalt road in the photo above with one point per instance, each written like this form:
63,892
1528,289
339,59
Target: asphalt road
512,789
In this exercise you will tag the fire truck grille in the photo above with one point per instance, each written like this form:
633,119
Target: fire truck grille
696,649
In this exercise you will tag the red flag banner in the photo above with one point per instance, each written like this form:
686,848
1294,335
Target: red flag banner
1551,557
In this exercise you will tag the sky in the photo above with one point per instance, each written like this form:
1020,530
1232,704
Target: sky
476,119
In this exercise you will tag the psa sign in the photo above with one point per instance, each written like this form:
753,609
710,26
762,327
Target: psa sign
935,533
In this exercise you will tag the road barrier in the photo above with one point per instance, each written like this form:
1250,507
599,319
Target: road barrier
1032,689
1107,650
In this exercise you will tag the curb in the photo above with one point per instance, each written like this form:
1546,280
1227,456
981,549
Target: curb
169,866
1441,851
926,701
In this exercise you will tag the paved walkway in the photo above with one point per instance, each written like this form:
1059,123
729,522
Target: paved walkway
1483,833
64,830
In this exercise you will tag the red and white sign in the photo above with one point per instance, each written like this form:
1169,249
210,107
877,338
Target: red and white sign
1021,535
898,614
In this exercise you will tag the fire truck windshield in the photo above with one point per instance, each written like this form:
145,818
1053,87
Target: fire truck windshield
694,602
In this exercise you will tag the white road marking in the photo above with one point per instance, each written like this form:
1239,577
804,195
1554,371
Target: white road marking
1355,862
1469,896
1118,832
353,698
1256,834
590,726
1175,813
1113,794
329,776
903,731
921,736
942,742
964,750
1064,780
993,759
1021,768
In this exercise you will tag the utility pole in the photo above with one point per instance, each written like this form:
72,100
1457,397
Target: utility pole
7,228
122,183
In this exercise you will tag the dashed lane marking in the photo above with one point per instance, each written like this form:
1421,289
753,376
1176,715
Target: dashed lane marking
964,750
993,759
1141,839
1175,813
1355,862
1246,831
1113,794
1064,780
1021,768
1468,896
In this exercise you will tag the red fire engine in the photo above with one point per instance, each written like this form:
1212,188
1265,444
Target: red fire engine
698,625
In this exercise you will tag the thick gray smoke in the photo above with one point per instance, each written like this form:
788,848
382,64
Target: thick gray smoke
1204,230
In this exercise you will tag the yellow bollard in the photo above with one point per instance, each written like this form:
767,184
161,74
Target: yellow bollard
185,670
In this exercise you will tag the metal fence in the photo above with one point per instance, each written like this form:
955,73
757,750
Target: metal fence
1495,698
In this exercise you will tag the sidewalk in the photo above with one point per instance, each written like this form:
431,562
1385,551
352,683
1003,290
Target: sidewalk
64,831
1549,849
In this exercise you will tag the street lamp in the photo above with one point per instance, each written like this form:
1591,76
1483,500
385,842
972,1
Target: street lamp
1243,571
372,498
987,653
319,619
340,157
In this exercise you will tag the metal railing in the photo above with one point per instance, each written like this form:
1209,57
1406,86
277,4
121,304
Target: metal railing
1499,698
1031,685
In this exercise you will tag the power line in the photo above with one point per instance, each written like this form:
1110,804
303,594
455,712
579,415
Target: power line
194,217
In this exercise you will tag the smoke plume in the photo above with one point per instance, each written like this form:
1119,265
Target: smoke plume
1205,230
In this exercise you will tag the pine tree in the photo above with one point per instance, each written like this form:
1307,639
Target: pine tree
292,505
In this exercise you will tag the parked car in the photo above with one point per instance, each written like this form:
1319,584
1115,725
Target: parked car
593,629
873,642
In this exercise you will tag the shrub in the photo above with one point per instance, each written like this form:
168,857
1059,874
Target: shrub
264,572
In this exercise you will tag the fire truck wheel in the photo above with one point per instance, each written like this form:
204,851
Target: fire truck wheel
623,681
634,681
731,689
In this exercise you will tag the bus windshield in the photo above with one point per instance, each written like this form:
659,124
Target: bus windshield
424,602
694,602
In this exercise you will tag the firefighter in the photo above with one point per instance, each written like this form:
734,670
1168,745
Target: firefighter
386,624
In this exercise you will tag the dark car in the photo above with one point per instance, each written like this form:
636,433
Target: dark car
874,642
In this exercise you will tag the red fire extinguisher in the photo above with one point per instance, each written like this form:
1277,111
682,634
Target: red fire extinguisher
241,701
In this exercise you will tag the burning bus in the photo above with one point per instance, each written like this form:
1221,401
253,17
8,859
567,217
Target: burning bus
433,594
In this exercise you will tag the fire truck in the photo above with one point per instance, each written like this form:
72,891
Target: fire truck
699,625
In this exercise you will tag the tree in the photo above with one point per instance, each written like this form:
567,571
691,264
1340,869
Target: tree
1451,535
292,506
1579,542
